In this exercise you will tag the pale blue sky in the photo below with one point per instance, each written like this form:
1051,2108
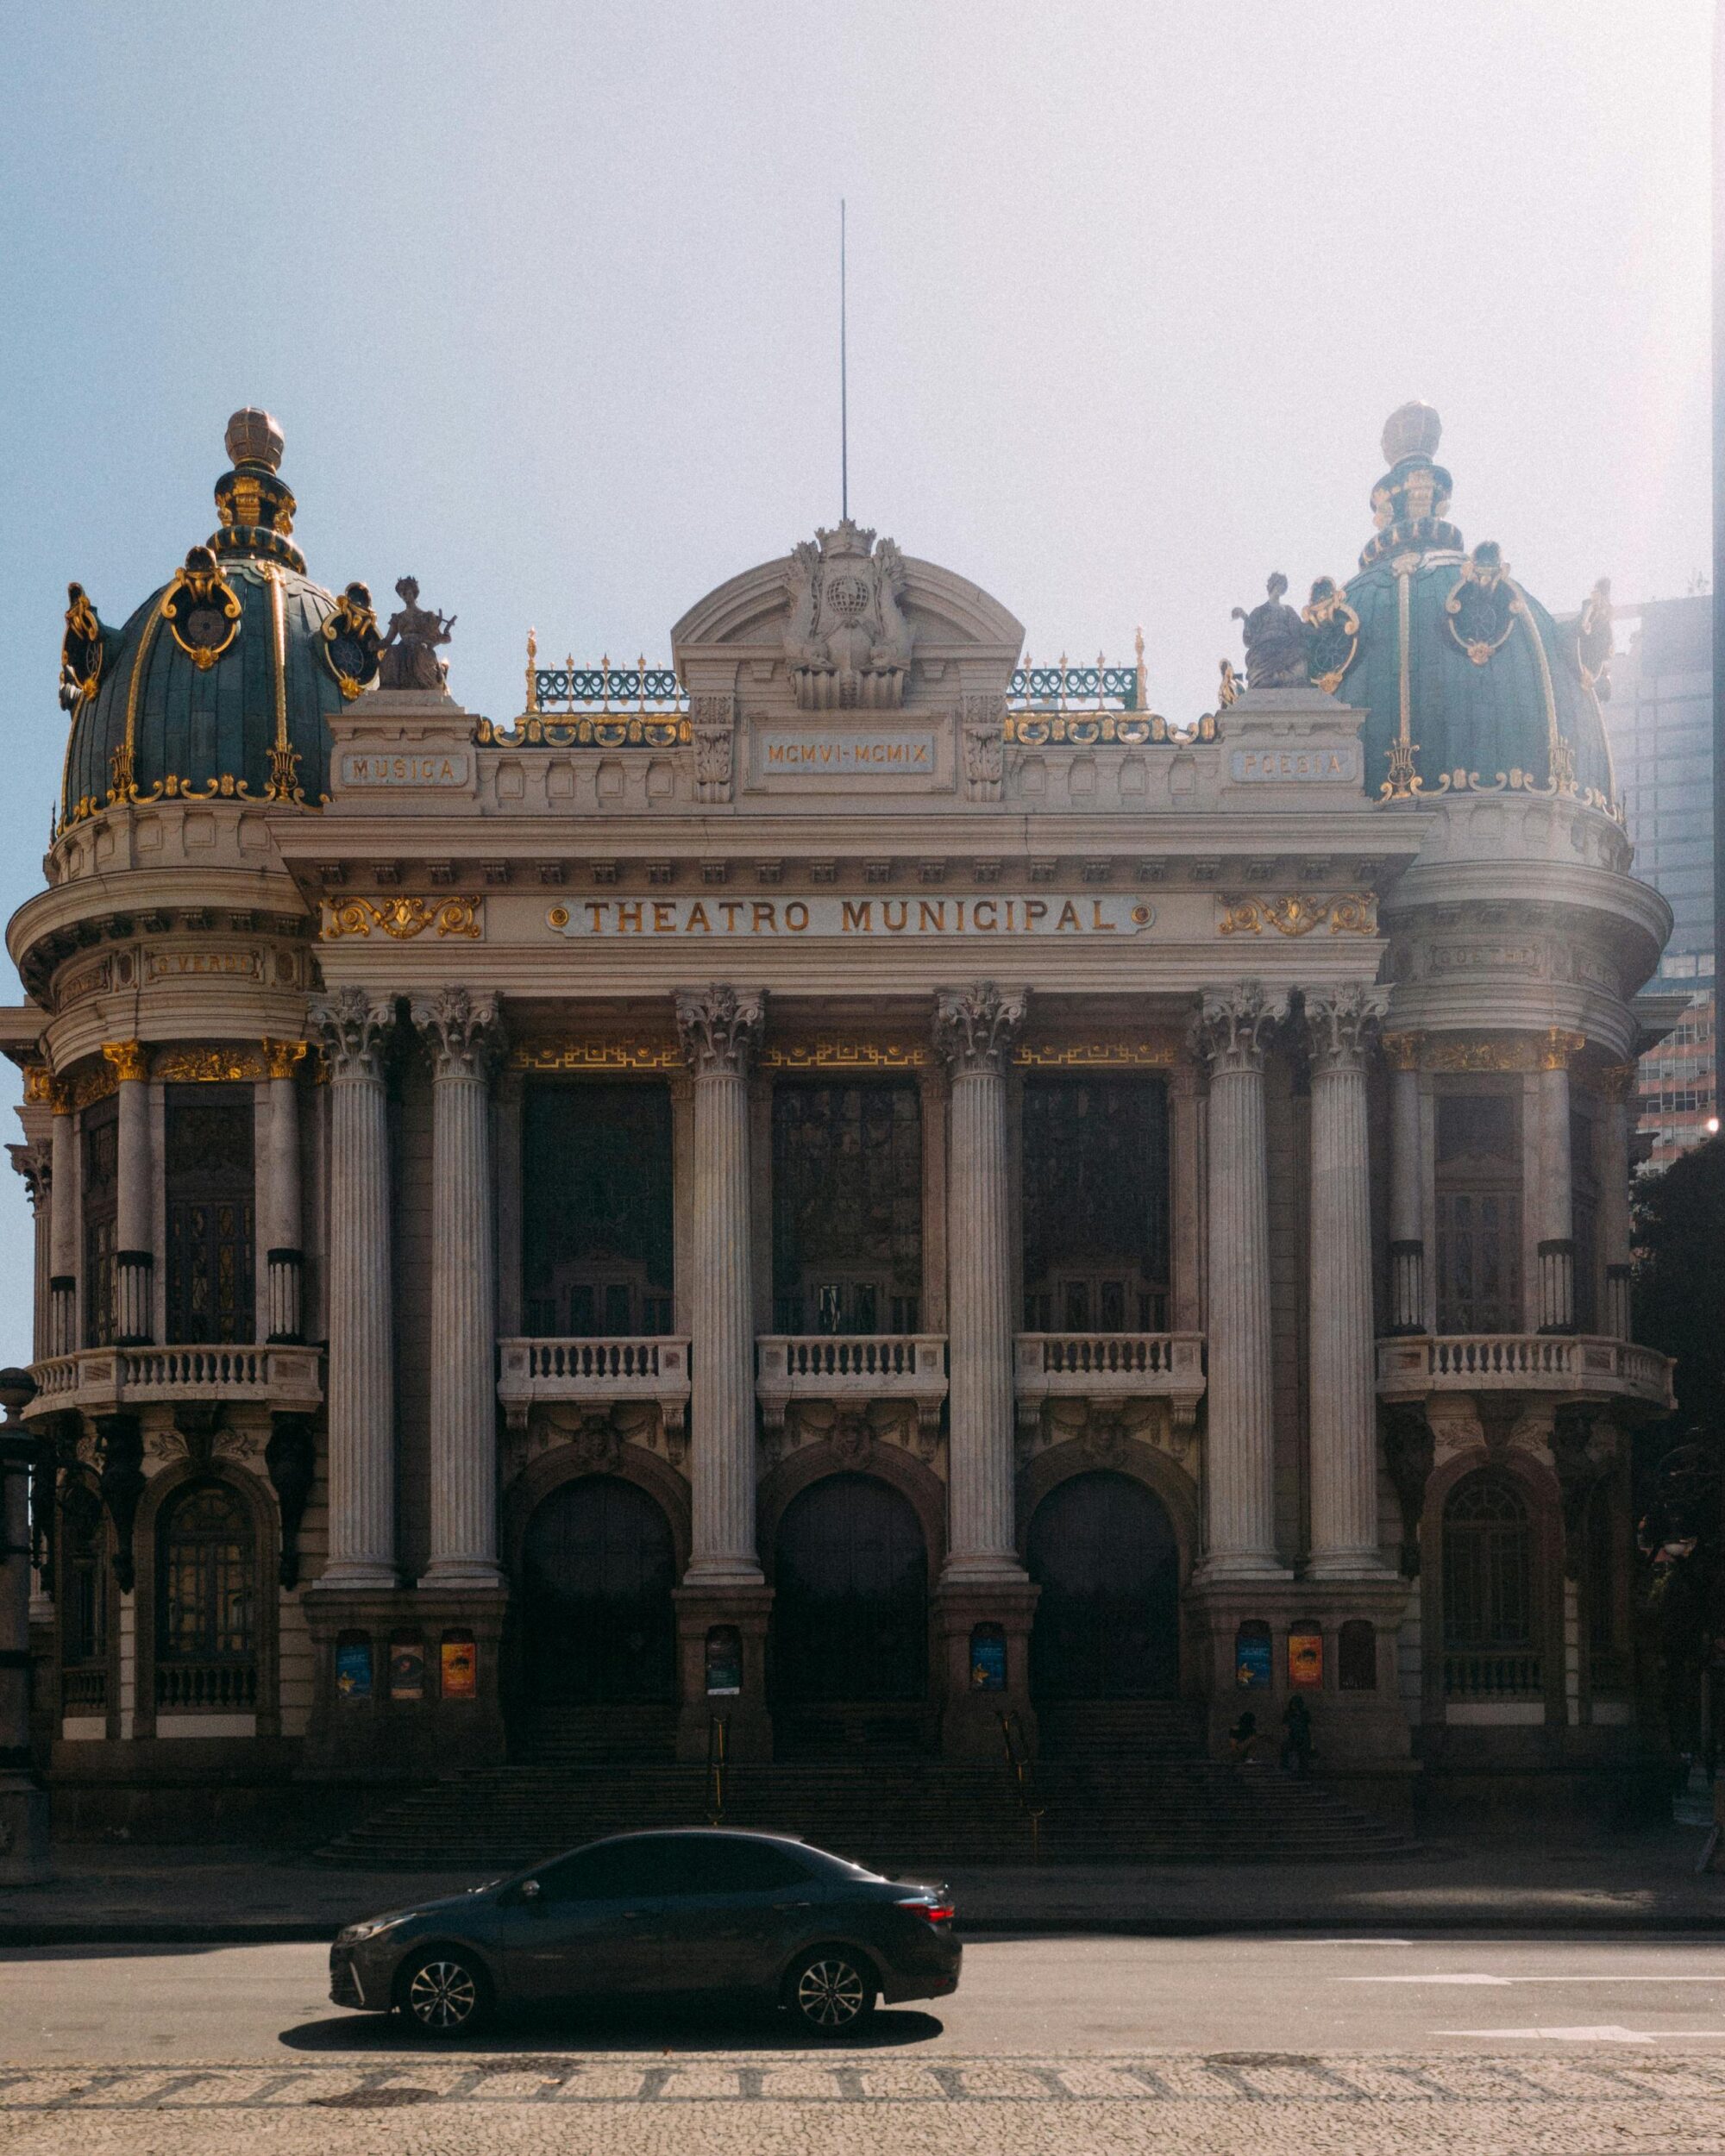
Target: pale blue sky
544,298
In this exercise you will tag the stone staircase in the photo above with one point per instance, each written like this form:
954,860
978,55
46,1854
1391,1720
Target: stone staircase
1133,1791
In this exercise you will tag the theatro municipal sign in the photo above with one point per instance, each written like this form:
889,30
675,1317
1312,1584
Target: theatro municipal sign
981,915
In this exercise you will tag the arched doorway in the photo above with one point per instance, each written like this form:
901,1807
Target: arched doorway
1103,1551
850,1599
600,1628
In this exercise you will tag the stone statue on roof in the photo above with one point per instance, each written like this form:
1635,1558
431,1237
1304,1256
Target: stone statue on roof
1275,641
408,657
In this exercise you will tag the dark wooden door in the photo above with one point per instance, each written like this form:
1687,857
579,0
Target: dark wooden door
600,1568
851,1602
1108,1622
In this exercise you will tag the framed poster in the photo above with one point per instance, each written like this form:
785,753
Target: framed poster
459,1665
988,1658
723,1661
407,1669
1306,1658
354,1668
1251,1657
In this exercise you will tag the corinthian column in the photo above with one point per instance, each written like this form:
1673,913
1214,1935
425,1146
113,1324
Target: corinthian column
1234,1033
1407,1187
974,1030
719,1028
464,1036
63,1226
354,1026
285,1249
133,1244
1340,1026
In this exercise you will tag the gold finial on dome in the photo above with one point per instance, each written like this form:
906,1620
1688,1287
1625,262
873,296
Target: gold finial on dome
254,437
1412,431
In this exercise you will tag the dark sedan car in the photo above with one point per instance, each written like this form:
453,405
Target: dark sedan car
686,1912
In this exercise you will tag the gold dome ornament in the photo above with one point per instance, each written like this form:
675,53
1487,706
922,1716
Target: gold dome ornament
81,649
201,608
351,643
255,437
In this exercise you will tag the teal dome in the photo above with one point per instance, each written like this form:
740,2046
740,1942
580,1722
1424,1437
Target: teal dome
220,684
1467,682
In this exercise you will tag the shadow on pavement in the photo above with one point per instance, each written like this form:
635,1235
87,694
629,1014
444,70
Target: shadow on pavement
648,2027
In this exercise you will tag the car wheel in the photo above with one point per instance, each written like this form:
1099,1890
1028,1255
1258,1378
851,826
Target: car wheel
445,1993
831,1992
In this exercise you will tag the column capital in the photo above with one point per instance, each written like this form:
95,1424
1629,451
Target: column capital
354,1027
718,1027
975,1027
1620,1082
1559,1048
1232,1030
1341,1023
281,1057
1401,1049
130,1060
35,1164
462,1029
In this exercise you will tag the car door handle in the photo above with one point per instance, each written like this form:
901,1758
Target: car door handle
780,1908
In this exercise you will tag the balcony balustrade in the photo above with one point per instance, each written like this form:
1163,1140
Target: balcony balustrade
208,1687
851,1370
1577,1364
1493,1676
99,1381
594,1373
1110,1366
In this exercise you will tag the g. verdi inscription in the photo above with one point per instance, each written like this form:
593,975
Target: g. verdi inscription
980,914
825,752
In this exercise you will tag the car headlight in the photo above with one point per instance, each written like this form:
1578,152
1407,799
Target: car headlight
354,1934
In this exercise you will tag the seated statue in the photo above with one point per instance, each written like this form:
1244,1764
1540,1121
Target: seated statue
408,657
1274,641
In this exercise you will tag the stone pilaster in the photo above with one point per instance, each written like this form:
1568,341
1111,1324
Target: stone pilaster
285,1254
1619,1087
1234,1033
1407,1187
133,1244
63,1230
35,1164
1187,1147
1340,1024
974,1028
1552,1204
463,1031
719,1027
354,1026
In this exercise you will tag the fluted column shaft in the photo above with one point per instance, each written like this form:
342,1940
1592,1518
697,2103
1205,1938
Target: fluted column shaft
464,1036
975,1028
63,1228
361,1413
1343,1390
133,1240
1615,1220
1239,1455
719,1028
1406,1181
1554,1209
285,1256
33,1163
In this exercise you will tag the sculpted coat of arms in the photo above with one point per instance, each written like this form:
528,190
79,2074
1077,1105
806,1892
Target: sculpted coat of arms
847,644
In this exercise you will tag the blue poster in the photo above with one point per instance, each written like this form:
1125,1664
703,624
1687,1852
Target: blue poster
987,1659
1251,1659
354,1668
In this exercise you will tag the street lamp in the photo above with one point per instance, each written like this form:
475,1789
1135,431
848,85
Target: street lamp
23,1802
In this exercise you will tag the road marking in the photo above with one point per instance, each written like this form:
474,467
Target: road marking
1603,2033
1645,1976
1425,1979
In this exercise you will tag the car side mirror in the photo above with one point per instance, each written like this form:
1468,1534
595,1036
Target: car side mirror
527,1893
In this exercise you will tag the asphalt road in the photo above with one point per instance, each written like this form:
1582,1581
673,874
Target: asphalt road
1079,2044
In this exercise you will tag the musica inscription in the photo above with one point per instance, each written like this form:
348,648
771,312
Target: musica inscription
437,767
978,916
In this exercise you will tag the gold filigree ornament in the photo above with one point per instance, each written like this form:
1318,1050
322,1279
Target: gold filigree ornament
209,1066
129,1059
1332,635
1297,913
401,917
282,1058
350,642
201,608
81,649
1483,605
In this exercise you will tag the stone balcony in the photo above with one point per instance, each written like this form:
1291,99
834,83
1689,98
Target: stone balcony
850,1370
101,1380
595,1374
1109,1366
1579,1366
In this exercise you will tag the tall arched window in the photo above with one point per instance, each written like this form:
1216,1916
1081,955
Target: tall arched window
81,1590
1489,1612
206,1603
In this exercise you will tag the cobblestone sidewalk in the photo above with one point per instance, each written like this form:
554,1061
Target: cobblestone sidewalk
1275,2104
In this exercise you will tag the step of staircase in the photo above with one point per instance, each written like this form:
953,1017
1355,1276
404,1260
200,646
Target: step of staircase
896,1813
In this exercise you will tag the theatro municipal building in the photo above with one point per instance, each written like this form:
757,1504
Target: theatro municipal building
846,1193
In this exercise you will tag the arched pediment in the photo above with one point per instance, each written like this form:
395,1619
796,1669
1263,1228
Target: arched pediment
753,609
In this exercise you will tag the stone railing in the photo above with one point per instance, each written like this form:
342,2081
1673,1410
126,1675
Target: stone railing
851,1369
1109,1366
600,1372
1488,1674
97,1380
208,1687
1579,1363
